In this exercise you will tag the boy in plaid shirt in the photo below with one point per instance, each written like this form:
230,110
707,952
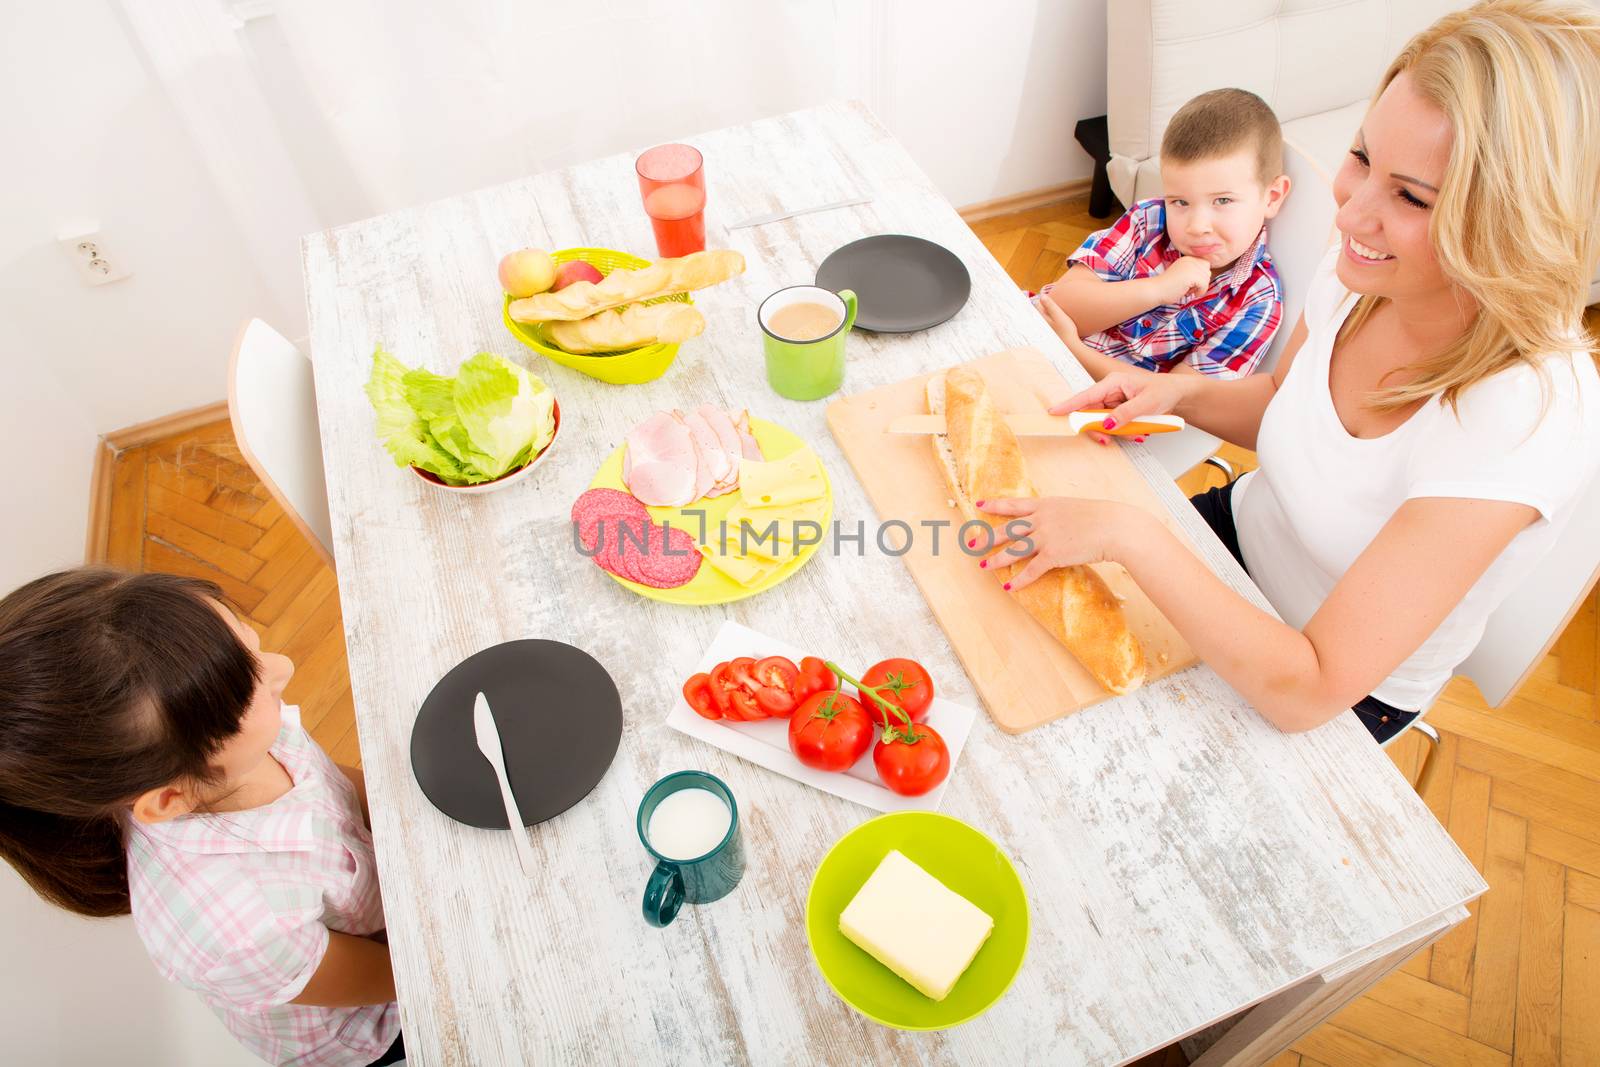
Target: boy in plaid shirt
1184,282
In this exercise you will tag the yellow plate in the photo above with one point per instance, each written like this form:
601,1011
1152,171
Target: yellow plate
709,585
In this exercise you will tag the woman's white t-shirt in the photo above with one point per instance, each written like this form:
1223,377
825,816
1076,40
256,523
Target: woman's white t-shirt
1321,496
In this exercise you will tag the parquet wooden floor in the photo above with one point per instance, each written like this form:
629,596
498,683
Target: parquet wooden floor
1518,787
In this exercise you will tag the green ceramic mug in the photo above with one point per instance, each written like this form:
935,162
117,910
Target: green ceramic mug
805,327
717,862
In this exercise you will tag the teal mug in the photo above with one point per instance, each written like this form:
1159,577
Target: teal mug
689,822
805,327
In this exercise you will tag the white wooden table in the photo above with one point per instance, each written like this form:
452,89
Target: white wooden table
1183,860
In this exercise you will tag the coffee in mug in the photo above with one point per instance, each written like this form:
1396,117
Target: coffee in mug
804,321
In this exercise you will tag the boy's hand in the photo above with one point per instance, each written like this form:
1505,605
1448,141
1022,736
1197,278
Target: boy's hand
1186,279
1059,320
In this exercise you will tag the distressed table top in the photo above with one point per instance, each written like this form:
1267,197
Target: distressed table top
1182,858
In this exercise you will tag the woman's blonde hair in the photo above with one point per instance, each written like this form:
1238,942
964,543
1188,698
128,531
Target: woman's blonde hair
1517,220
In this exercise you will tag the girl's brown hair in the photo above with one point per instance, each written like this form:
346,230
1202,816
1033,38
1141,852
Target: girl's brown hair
111,684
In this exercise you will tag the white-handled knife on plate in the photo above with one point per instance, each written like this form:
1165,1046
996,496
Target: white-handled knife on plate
489,744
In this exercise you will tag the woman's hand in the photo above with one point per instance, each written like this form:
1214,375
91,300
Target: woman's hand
1058,531
1130,394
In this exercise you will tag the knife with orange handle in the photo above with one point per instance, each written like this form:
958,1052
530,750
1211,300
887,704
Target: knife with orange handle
1041,424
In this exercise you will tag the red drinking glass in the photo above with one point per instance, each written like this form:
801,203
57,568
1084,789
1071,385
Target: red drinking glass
672,181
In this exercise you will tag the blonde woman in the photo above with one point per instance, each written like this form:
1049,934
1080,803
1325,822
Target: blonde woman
1436,412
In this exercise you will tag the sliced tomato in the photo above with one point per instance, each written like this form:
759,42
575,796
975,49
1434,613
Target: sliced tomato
697,691
743,706
776,702
777,671
815,677
743,672
721,685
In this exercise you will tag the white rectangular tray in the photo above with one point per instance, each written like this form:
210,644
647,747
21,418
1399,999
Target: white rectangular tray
767,743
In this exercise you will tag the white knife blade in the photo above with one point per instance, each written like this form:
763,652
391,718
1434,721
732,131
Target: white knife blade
488,735
778,216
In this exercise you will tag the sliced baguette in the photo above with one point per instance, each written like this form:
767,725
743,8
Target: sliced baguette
981,460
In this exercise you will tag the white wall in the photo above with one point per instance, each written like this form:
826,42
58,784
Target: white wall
45,480
985,96
88,132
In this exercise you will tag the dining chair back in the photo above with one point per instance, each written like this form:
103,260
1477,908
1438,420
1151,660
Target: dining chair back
273,406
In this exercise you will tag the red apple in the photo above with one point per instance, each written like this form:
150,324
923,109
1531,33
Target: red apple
527,271
574,271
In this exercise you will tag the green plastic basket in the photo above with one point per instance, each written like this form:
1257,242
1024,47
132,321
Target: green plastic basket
629,367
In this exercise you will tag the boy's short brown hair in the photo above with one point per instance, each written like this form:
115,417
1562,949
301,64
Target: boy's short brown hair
1222,121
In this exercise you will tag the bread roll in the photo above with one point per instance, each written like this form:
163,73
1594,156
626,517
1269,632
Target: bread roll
661,278
629,327
981,460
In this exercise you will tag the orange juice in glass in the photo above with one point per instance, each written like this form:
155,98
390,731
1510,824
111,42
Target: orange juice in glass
672,182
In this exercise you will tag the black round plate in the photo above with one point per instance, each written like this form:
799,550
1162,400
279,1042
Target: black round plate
559,717
901,283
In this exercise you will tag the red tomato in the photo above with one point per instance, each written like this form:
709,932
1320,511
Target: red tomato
777,677
743,707
743,672
815,677
777,671
697,691
911,763
830,731
721,685
903,683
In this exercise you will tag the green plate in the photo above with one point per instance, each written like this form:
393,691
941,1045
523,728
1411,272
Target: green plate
959,856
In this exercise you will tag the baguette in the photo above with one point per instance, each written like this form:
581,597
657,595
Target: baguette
629,327
981,460
661,278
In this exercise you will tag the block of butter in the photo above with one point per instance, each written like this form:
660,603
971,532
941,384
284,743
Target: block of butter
910,922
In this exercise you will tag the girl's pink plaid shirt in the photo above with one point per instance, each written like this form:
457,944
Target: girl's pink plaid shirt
237,907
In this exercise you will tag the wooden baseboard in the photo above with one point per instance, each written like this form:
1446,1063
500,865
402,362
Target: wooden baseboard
166,426
98,538
1005,205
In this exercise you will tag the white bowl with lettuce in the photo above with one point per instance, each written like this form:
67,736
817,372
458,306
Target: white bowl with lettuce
479,431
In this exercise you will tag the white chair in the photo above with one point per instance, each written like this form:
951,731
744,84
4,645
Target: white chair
1523,629
272,403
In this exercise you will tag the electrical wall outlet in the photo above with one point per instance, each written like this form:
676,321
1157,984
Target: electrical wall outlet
91,257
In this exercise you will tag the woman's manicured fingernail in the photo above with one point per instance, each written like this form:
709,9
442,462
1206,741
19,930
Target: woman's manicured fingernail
1006,587
1103,440
983,564
979,504
1110,424
972,543
1139,439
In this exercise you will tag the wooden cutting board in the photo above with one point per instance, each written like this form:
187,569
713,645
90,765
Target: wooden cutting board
1024,675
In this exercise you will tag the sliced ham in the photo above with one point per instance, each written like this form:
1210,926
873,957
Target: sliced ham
728,440
747,440
713,460
660,463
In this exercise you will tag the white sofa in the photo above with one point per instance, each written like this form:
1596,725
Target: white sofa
1315,62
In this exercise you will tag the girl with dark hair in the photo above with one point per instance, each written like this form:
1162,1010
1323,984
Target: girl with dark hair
149,766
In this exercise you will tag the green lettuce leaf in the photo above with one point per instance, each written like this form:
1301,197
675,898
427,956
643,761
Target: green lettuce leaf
488,420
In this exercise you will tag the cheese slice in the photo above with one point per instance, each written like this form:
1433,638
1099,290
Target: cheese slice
773,529
913,924
794,478
742,569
